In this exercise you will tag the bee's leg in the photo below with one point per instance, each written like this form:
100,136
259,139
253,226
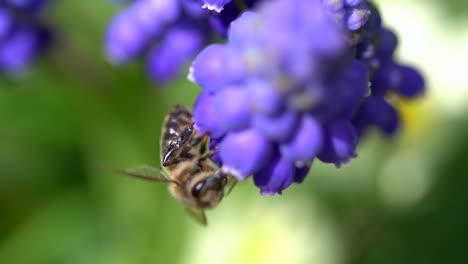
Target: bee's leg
198,140
204,144
206,155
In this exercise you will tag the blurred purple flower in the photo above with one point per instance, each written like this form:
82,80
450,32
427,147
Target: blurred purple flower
167,34
22,36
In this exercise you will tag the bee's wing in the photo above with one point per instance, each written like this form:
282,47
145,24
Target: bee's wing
146,172
198,214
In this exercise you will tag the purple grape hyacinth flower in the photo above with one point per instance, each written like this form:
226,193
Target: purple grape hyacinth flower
376,47
22,36
296,82
280,93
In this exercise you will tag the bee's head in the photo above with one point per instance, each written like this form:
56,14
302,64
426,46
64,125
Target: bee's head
208,189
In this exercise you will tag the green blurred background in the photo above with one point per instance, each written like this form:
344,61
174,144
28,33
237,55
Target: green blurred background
73,116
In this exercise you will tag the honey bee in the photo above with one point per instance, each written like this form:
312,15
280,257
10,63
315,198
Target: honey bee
193,179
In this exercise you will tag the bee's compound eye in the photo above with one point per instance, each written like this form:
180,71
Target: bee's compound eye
197,189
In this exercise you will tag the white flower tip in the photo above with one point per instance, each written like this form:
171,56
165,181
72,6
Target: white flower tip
190,75
233,172
213,7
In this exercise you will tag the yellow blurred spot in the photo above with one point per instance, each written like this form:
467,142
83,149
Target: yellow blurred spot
415,115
